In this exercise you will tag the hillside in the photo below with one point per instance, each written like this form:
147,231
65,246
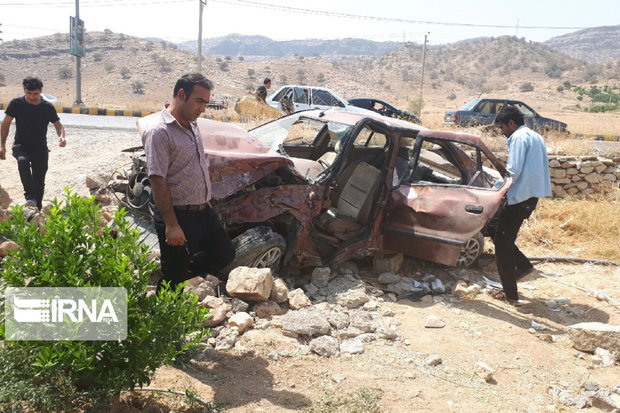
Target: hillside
263,47
594,45
123,72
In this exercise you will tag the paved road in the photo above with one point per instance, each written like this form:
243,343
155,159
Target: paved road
98,122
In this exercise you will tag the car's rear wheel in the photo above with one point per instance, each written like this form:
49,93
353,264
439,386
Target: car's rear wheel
471,251
258,247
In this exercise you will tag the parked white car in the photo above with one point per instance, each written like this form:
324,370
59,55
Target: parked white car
293,98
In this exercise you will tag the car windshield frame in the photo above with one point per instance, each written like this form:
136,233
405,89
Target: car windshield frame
274,133
470,105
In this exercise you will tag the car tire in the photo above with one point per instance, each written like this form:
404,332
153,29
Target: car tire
471,251
258,247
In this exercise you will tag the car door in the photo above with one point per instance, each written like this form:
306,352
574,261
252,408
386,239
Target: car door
444,200
484,113
323,99
301,98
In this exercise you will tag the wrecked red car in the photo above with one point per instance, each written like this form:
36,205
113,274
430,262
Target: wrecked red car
321,187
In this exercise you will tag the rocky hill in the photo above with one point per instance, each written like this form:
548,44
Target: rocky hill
594,45
263,47
125,72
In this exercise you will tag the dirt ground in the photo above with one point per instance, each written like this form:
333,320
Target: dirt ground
529,366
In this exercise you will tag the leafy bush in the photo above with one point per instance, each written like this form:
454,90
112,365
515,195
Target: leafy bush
125,74
138,87
75,249
526,87
65,72
251,73
452,96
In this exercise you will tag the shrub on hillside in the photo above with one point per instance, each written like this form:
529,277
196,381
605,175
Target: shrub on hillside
138,87
526,87
74,249
65,72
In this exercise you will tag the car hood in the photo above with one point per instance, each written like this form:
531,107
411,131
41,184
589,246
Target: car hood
236,158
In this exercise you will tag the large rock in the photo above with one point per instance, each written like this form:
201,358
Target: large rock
252,284
391,263
267,309
7,246
306,322
279,291
325,346
588,336
320,276
241,320
297,299
5,199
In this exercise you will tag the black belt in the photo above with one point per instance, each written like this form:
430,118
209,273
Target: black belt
200,207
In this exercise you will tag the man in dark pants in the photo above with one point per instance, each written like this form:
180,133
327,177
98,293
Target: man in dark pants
528,165
192,239
32,115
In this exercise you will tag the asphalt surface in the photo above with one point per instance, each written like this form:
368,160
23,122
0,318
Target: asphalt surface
91,121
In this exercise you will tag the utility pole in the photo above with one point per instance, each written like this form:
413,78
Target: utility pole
201,5
422,75
78,61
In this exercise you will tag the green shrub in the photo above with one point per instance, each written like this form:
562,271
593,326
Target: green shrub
75,249
526,87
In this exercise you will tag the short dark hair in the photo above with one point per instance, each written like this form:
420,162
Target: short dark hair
267,80
187,83
509,112
32,83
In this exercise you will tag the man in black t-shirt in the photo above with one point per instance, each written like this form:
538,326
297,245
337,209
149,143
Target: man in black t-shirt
261,93
32,115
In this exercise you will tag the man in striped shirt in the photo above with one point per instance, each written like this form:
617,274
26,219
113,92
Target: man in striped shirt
192,239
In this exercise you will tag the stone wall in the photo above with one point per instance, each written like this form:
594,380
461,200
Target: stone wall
583,175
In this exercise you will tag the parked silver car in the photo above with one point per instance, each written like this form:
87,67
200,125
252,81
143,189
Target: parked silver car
293,98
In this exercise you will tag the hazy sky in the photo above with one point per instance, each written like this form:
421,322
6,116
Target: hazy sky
446,21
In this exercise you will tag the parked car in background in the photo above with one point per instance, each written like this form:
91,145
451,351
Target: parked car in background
320,187
384,108
293,98
482,111
50,98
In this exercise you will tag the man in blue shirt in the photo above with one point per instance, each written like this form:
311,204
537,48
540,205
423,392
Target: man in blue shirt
528,165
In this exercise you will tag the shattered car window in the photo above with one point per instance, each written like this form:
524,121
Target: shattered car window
296,130
454,163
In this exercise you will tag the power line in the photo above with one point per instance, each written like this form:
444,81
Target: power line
290,9
382,19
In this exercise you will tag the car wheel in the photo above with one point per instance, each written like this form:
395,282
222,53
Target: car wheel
471,251
258,247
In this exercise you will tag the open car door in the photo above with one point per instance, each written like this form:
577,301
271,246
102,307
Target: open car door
452,187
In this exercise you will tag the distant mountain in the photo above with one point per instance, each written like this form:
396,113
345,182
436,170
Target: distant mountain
594,45
240,45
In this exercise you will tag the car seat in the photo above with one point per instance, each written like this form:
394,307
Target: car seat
353,199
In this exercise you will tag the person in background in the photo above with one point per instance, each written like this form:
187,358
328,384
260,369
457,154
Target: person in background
32,114
261,93
192,239
528,165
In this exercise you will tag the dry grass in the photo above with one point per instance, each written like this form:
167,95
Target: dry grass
583,228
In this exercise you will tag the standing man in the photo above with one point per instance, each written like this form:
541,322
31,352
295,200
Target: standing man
191,237
261,93
32,115
528,165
